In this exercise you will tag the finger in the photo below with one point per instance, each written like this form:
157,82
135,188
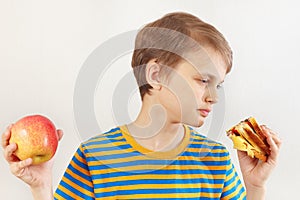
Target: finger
18,168
274,149
8,152
60,134
246,161
265,130
270,133
6,136
241,154
277,140
274,142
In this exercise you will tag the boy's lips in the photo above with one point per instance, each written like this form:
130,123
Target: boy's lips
204,112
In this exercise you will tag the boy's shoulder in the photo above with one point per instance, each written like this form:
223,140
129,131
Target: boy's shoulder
114,139
114,135
202,141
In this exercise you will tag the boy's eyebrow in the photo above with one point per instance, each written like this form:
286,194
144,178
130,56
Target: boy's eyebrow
207,75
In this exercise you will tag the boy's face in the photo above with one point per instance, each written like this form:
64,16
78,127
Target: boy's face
191,90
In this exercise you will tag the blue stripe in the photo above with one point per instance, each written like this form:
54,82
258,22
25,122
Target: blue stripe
165,182
103,165
114,156
103,134
182,198
76,191
79,163
200,146
205,154
136,153
164,172
201,163
127,154
228,182
62,194
79,183
104,141
112,148
150,191
79,173
114,135
233,189
145,162
112,130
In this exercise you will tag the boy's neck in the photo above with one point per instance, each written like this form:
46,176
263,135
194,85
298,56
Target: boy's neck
153,130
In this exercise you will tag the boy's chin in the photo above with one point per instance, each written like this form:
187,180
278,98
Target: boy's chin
196,124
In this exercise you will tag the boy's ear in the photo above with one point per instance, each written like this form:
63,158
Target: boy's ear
152,74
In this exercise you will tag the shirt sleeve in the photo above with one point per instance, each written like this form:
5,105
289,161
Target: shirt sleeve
233,188
76,182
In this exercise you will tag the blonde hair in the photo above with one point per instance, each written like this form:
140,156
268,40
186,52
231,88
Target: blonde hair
165,41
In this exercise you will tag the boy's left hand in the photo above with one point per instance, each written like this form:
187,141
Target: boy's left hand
256,172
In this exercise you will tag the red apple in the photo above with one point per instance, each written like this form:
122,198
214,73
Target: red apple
36,138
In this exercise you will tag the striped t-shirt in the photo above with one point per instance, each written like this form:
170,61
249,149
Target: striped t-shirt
114,166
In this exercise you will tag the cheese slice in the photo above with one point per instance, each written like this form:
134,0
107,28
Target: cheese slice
240,144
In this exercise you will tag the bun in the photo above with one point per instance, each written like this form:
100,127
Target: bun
248,136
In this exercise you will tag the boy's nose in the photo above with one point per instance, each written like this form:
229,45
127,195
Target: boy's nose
211,96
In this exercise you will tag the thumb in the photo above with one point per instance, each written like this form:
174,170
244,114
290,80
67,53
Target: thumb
60,134
241,154
18,168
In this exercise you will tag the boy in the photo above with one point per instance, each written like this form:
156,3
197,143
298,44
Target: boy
179,63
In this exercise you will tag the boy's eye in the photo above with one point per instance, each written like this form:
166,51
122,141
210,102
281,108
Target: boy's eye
203,80
219,86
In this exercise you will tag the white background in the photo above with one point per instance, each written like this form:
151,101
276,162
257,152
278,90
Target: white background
44,44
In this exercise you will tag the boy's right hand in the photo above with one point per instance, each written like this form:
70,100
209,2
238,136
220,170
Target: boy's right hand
35,176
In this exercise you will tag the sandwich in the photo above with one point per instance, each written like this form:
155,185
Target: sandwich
248,136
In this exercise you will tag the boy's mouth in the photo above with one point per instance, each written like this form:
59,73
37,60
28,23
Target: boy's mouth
204,112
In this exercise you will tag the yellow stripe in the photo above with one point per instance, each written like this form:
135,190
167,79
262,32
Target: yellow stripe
235,192
80,159
141,158
207,144
204,158
115,145
244,194
156,167
228,178
158,186
104,153
233,184
121,151
57,196
174,195
100,138
153,167
195,150
77,187
68,192
157,176
79,178
124,142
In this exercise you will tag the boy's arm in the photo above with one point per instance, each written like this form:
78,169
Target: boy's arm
38,177
255,172
255,193
232,188
42,193
76,182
